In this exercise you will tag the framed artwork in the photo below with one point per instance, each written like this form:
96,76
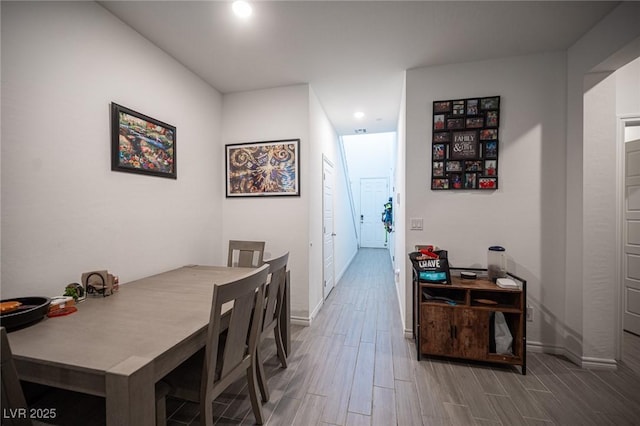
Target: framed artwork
472,107
442,106
438,151
441,137
455,123
465,144
454,166
141,144
259,169
475,122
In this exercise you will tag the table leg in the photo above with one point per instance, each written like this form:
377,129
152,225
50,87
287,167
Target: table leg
130,393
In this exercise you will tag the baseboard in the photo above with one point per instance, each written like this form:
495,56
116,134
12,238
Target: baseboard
581,361
305,322
599,363
344,270
538,347
315,311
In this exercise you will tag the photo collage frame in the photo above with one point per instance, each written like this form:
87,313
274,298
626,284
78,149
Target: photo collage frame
465,144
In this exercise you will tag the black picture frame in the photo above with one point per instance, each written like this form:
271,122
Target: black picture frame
263,169
141,144
444,106
465,139
439,151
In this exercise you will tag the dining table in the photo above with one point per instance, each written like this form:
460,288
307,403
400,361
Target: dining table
119,346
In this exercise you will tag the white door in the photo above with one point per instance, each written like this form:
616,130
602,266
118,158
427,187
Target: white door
631,237
327,227
374,193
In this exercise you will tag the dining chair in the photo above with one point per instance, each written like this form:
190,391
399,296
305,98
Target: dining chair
14,404
249,253
229,353
273,306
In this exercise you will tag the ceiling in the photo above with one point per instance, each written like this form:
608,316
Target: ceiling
353,54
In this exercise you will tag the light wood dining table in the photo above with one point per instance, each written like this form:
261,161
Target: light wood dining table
119,346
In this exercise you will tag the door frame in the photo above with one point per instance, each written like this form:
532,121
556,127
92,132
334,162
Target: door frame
623,122
326,160
387,183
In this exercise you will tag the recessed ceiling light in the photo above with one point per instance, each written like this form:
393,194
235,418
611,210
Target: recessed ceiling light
358,114
242,9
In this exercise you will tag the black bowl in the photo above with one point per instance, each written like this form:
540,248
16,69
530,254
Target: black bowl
33,309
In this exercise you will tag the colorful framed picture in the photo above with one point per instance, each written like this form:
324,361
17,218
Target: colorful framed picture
141,144
455,123
441,137
456,181
491,149
488,183
470,180
465,143
454,166
439,151
475,122
440,184
259,169
490,167
488,134
442,106
492,119
490,103
473,166
472,107
438,168
458,107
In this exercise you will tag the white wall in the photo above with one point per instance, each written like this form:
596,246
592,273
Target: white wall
326,139
283,222
288,223
63,210
628,89
399,202
591,305
325,142
526,215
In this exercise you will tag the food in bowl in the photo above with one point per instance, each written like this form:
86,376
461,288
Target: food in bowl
9,306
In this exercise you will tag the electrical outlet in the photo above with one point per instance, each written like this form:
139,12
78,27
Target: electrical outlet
529,314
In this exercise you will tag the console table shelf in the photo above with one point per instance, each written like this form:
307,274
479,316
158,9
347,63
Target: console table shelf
456,320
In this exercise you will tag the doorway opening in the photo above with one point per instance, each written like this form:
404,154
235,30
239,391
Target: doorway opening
370,160
630,303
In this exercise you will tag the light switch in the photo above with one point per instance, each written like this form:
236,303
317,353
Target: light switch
416,223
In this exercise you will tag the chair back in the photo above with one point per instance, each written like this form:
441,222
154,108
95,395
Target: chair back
12,395
247,294
275,290
245,254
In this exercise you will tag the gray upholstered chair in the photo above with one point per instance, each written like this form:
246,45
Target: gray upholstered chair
247,254
272,313
229,353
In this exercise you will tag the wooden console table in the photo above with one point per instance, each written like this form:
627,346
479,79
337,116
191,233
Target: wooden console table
454,320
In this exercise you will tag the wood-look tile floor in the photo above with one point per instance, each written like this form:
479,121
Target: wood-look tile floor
354,367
